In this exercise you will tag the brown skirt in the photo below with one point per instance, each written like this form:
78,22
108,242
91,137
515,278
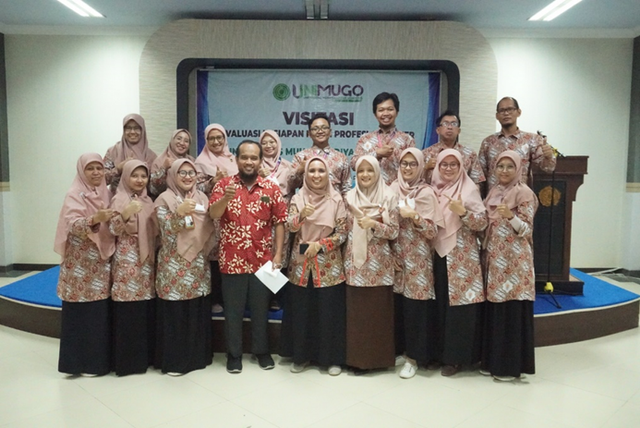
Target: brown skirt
370,342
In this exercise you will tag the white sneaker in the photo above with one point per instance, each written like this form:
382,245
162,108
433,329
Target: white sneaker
504,378
175,374
298,368
408,370
484,372
335,370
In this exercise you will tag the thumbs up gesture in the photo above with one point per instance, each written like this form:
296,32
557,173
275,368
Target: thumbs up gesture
457,206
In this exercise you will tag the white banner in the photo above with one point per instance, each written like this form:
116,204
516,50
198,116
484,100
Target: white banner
246,102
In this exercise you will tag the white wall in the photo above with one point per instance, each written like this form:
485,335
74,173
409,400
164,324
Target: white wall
577,91
67,95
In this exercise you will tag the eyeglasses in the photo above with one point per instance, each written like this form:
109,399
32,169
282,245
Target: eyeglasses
269,143
320,128
449,165
505,167
449,124
506,110
191,173
133,128
409,165
218,138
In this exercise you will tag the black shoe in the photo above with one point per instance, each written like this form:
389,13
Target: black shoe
234,364
265,361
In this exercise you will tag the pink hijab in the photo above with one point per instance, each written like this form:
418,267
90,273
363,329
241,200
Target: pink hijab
142,224
208,163
328,205
418,190
376,202
279,167
122,149
190,241
170,152
511,194
461,187
81,201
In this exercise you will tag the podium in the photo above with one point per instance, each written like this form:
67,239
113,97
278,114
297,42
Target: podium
556,193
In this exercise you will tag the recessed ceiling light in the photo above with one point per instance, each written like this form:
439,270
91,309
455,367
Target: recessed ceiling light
81,8
554,9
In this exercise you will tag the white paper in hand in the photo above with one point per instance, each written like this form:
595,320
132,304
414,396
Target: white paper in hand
274,280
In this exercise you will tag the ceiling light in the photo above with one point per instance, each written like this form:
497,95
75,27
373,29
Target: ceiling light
554,9
81,8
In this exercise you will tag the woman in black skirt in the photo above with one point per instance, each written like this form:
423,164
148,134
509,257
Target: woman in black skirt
133,271
86,246
313,322
458,276
508,347
183,278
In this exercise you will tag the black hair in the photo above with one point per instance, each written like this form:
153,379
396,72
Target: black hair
319,116
249,142
448,113
384,96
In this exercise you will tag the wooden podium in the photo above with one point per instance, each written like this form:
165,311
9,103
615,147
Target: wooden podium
553,222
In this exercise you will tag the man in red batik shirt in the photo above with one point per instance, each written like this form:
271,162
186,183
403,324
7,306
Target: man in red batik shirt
248,206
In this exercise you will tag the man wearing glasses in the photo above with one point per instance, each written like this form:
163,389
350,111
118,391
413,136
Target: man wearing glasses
339,174
533,148
448,131
387,142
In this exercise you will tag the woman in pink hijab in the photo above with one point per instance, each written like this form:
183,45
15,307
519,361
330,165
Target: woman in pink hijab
372,220
216,160
178,148
133,290
510,277
132,145
183,278
313,323
420,217
86,246
458,275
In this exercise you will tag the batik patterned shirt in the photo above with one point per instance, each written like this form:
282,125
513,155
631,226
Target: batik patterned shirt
368,143
84,275
526,144
246,241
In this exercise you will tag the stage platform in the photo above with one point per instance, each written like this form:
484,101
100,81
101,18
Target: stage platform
31,305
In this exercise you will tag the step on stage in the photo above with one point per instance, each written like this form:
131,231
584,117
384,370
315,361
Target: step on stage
31,305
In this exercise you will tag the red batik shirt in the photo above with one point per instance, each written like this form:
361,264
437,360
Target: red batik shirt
246,225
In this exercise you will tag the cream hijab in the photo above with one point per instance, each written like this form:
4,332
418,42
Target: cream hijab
143,224
190,241
375,202
81,201
328,205
417,189
461,187
209,163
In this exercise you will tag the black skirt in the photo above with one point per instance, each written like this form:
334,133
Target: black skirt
183,341
134,335
459,338
508,338
314,324
420,329
85,338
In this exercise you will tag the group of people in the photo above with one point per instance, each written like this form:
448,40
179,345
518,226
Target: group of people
411,261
